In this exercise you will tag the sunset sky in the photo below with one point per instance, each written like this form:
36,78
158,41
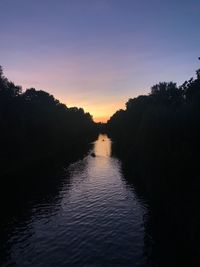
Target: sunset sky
97,54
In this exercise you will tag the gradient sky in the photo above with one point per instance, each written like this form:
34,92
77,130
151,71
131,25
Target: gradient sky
96,54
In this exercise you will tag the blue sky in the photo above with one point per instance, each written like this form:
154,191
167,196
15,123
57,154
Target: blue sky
96,54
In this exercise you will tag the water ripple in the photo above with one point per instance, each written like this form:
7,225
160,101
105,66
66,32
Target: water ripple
95,220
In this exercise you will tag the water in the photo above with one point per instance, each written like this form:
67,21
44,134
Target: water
94,219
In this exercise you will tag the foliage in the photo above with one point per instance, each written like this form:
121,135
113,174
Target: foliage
157,138
35,125
160,130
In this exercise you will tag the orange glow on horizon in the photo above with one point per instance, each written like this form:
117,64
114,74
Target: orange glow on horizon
101,119
100,109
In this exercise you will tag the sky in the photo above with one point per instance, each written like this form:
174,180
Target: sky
97,54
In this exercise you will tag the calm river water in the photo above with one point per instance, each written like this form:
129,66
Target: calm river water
94,219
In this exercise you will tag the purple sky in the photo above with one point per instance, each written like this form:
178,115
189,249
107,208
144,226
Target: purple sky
96,54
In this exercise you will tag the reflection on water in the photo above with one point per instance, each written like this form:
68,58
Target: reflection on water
103,146
95,219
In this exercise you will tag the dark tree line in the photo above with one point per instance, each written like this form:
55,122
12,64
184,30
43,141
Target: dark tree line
157,137
35,125
161,129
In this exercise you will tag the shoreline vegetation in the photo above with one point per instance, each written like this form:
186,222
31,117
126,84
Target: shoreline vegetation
160,131
36,128
157,139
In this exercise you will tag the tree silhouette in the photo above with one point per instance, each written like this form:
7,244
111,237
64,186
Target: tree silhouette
35,125
157,137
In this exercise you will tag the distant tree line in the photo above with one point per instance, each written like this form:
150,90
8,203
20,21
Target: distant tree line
35,125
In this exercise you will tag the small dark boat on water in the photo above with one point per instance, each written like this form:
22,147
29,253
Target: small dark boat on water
93,154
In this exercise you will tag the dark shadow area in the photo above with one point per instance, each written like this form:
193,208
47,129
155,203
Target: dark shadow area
172,225
157,139
40,186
